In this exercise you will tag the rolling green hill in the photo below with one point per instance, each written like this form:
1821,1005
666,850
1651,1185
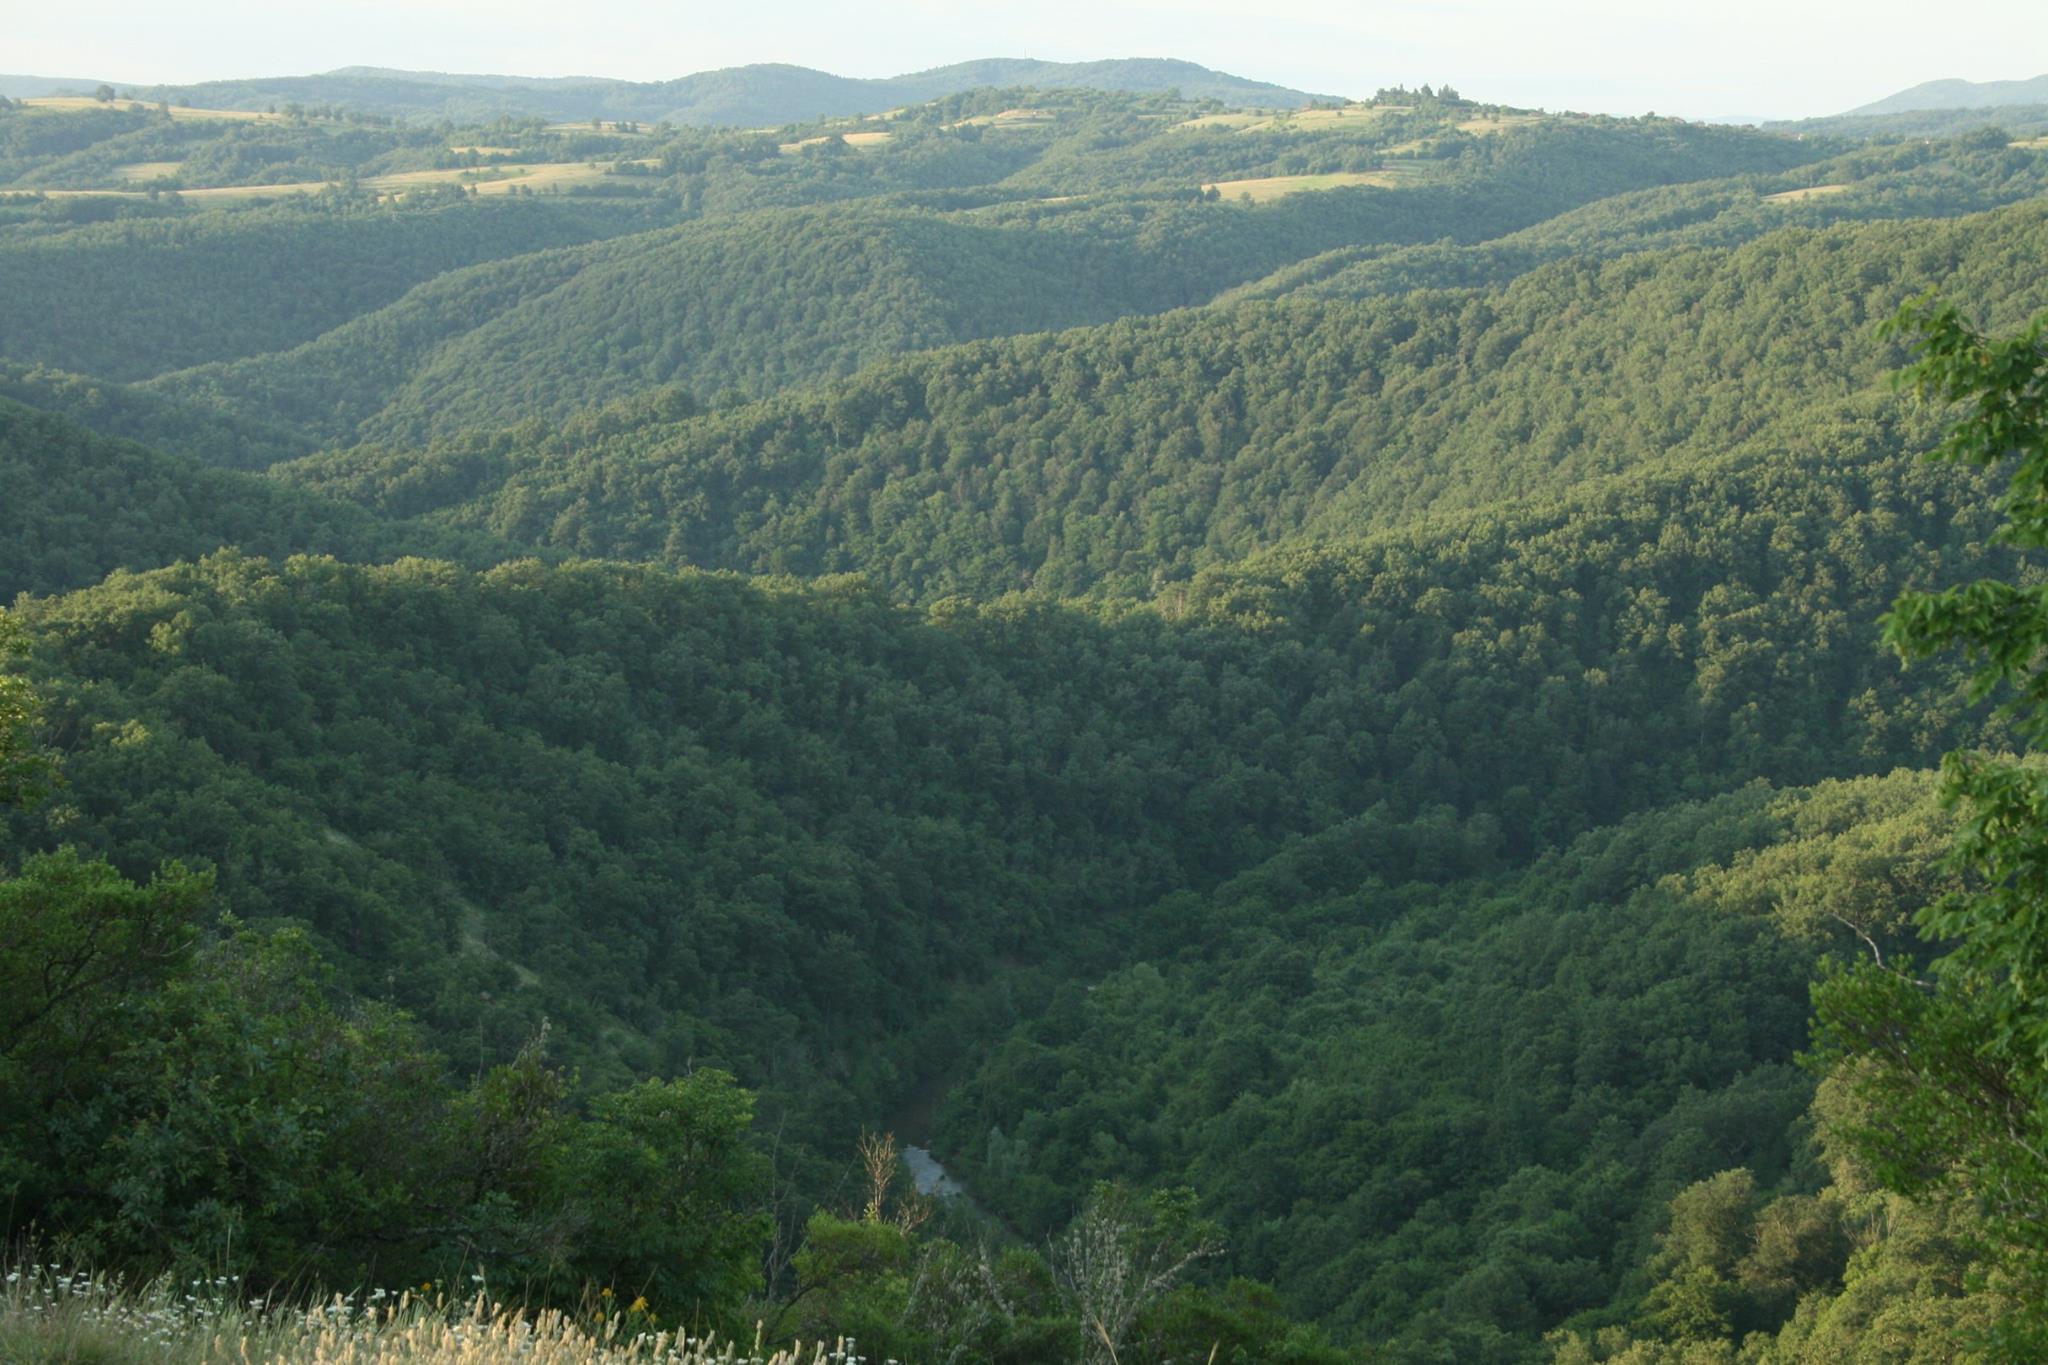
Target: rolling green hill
806,833
1919,179
770,300
1311,734
76,506
1955,94
767,94
1119,459
137,297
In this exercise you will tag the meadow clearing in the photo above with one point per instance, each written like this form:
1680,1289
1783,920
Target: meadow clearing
1809,192
531,177
1269,188
61,104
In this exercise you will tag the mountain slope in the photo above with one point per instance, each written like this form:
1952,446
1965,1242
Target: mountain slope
1957,94
32,87
833,843
76,506
133,298
1918,179
747,96
783,298
1431,1093
1115,460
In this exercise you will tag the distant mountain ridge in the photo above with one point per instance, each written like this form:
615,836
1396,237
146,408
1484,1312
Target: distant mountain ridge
1959,94
35,87
765,94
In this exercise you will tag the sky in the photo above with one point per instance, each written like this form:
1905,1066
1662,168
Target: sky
1766,58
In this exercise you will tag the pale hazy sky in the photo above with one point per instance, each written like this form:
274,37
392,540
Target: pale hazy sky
1782,58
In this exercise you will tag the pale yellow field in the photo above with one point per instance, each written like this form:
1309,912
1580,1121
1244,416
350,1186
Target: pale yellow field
485,151
1349,112
66,103
1008,118
1810,192
867,139
1483,126
1224,121
1352,113
584,127
1280,186
136,171
2036,144
486,180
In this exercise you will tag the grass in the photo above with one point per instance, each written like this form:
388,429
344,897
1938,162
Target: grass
485,179
58,104
1252,121
1483,126
870,138
1008,118
1810,192
1225,121
1280,186
137,171
2034,144
1347,113
48,1313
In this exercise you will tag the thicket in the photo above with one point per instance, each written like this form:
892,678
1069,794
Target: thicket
1441,737
1125,459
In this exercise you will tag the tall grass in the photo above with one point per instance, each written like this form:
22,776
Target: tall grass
49,1313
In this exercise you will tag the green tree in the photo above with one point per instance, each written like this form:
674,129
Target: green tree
670,1189
1954,1069
23,768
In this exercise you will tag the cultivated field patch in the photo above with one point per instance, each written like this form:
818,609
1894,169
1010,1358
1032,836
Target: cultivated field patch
1008,118
870,138
1280,186
485,180
1810,192
1346,113
60,104
1484,125
135,172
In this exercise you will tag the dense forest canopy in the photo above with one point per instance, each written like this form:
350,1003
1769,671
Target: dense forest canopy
1294,688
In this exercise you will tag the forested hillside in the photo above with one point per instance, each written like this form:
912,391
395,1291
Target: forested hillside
764,300
697,766
1129,457
76,506
744,96
1297,695
1915,179
142,295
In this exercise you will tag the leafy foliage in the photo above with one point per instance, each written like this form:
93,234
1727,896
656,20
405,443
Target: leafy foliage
1385,755
1124,459
1952,1068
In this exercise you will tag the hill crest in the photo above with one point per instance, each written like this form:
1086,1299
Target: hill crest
1959,94
762,94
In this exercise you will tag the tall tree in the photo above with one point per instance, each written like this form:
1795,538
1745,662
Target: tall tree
1954,1066
22,768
